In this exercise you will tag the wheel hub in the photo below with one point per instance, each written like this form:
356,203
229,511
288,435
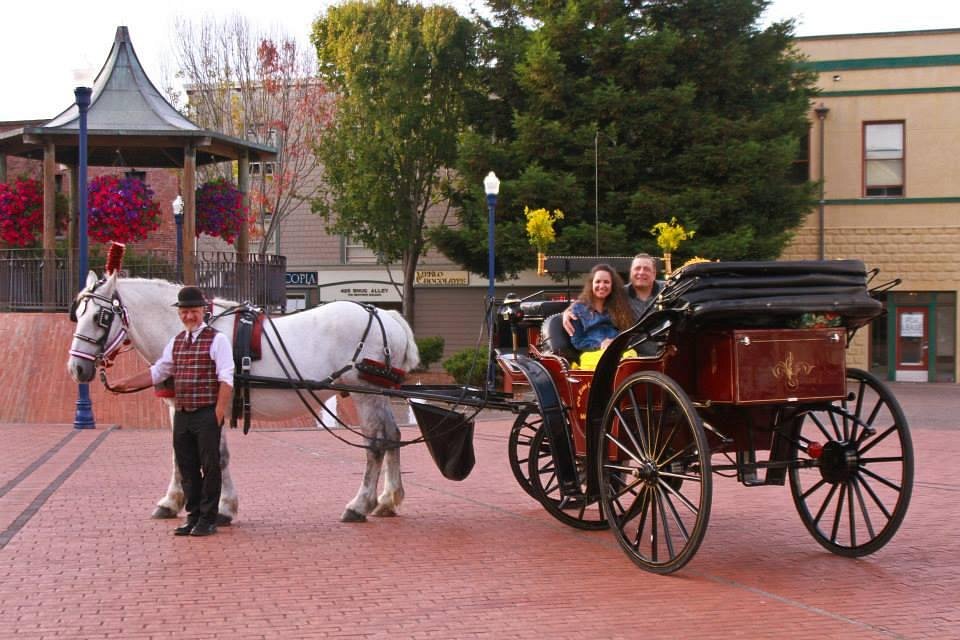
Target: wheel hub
646,472
838,462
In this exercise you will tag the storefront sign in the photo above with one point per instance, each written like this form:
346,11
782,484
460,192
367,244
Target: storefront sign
442,278
360,291
301,278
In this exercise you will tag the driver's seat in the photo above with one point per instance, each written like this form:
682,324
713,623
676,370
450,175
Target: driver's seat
554,339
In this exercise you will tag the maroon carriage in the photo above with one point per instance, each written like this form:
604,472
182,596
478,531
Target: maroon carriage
742,374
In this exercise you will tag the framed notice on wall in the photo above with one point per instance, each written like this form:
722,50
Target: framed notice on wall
911,325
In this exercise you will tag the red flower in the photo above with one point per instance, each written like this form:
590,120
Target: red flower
120,209
21,212
220,210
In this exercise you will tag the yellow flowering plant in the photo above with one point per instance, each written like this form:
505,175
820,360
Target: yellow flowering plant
669,236
540,231
540,227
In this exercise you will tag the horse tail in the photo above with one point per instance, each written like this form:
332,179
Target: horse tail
410,356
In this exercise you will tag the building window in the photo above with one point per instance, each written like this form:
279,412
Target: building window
264,168
883,159
356,253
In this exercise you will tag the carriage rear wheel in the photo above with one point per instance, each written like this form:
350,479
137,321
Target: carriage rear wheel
580,511
518,447
654,470
852,472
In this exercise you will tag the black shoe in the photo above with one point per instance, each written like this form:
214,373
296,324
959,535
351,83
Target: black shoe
204,529
185,528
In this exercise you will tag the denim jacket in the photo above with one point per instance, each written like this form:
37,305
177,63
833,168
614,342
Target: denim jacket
591,328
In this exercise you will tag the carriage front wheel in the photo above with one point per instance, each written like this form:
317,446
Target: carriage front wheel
654,471
525,427
852,472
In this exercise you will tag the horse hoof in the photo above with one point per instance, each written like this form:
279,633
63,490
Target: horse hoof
383,511
163,513
352,516
224,520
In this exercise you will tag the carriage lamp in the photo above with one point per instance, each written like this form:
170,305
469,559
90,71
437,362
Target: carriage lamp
178,219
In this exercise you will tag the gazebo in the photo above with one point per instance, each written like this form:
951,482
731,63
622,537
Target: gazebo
129,117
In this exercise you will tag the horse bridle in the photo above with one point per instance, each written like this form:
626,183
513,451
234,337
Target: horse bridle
107,310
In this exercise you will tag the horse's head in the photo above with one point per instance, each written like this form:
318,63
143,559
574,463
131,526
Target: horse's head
101,326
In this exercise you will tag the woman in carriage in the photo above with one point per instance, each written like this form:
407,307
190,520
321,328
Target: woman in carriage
601,312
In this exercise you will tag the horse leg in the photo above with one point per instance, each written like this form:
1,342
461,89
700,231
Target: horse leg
389,501
229,502
172,502
370,411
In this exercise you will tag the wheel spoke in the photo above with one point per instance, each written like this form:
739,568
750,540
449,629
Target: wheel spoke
682,498
838,516
877,440
640,450
664,526
880,479
855,486
643,447
681,527
826,503
875,497
826,434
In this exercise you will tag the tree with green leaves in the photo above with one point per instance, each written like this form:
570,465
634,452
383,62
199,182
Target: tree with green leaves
401,74
626,114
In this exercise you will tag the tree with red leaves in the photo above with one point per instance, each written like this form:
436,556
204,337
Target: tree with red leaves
263,89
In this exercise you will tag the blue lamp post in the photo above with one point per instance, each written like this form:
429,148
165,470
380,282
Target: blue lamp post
491,185
178,218
83,419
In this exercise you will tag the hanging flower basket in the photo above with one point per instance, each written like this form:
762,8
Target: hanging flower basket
120,209
220,210
21,212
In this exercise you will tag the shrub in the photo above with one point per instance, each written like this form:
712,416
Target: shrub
431,350
468,367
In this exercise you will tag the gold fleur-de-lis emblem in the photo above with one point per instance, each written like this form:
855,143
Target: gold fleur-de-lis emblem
790,371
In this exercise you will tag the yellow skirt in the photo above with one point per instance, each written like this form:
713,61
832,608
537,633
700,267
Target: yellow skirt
589,359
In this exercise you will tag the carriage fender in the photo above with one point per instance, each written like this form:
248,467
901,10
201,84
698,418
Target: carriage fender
554,421
601,389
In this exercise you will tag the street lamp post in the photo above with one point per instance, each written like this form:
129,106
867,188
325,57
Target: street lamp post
491,185
821,112
178,219
83,418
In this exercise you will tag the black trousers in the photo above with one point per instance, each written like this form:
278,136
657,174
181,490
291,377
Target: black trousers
196,443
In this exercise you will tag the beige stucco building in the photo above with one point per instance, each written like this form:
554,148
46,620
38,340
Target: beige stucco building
888,117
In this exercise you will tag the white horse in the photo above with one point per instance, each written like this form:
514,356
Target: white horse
321,341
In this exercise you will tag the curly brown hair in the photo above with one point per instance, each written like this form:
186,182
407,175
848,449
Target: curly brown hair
616,304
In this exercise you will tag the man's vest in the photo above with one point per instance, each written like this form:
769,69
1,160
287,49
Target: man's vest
194,371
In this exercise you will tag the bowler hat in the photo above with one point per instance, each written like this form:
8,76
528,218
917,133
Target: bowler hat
190,297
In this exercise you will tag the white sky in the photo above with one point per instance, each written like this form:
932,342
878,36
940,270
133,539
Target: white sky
48,48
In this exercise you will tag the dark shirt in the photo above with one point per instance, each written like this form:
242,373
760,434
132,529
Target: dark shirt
638,305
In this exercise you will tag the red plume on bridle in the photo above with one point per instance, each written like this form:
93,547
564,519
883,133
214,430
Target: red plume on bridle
115,257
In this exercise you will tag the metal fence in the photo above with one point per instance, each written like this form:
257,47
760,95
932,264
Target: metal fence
260,280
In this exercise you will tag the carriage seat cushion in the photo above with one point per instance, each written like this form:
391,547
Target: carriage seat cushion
554,339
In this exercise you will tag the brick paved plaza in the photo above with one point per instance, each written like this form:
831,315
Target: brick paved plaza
80,557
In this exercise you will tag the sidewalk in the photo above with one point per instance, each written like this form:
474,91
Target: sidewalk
80,557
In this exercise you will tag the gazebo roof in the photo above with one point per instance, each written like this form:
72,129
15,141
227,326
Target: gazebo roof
129,123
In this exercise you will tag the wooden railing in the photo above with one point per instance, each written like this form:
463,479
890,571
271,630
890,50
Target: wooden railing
259,279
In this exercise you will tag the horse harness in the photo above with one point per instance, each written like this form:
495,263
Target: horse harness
107,310
248,331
